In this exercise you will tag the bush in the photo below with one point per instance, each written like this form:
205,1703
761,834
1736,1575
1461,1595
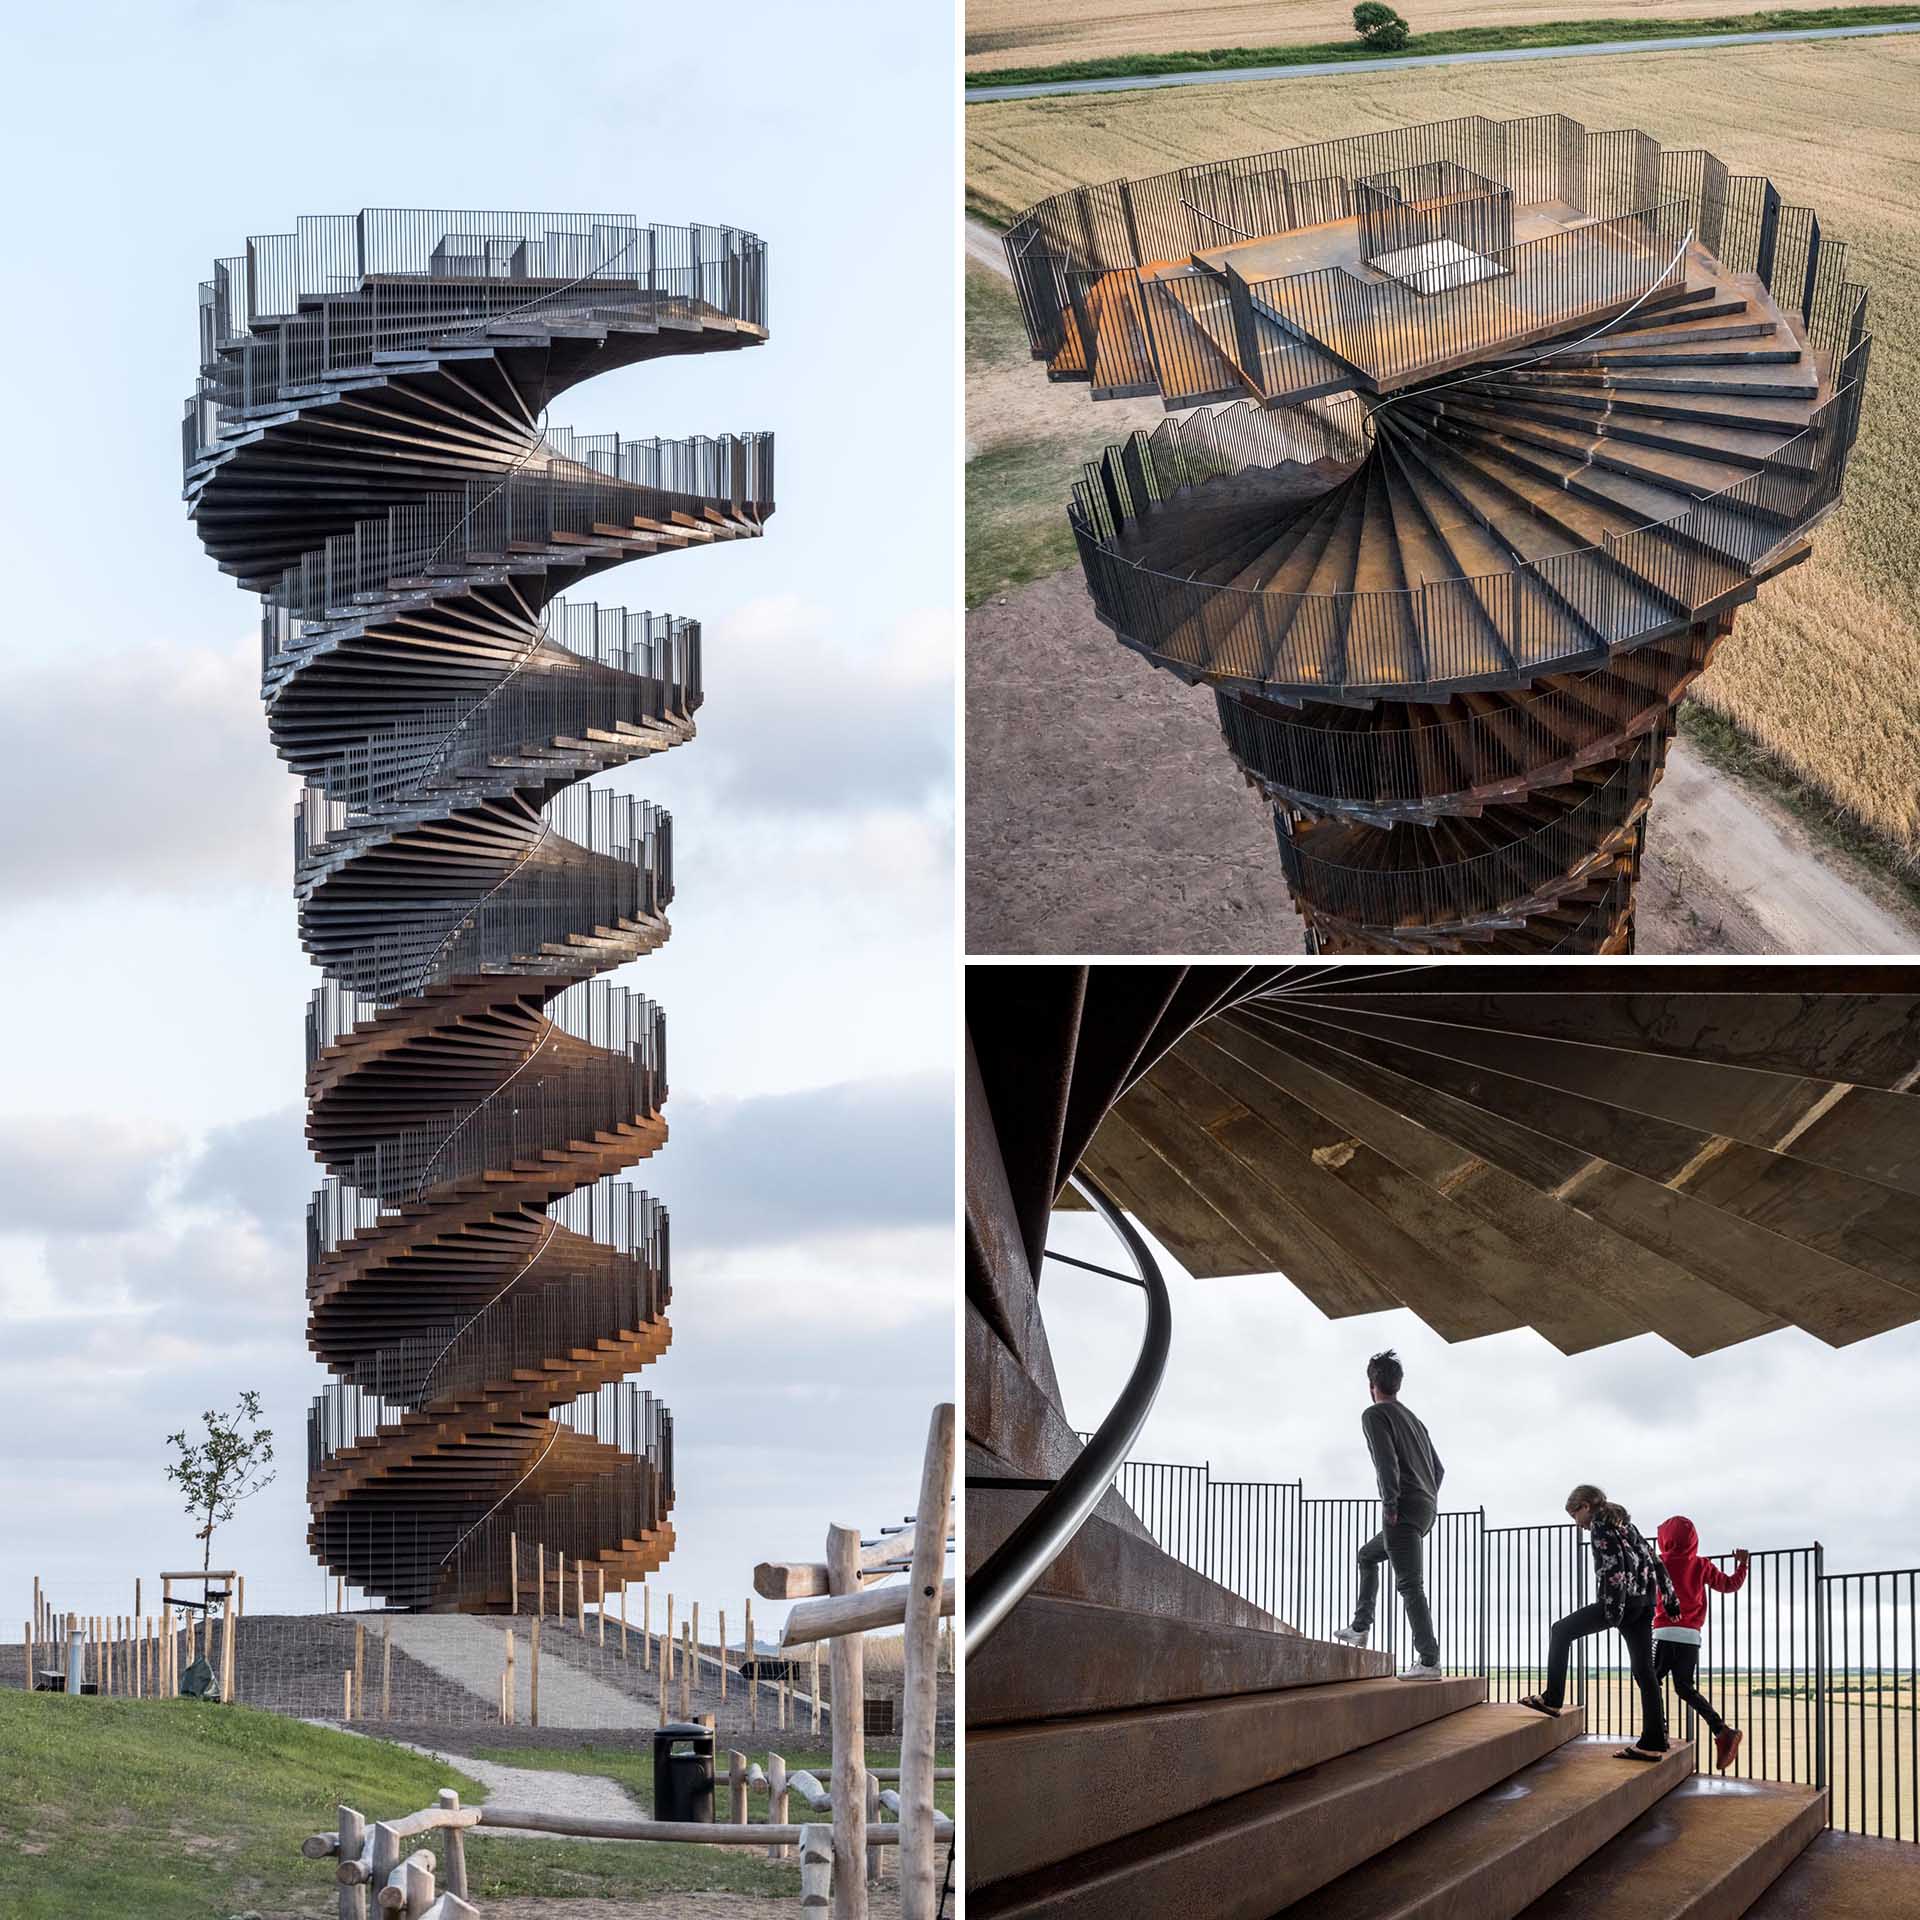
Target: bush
1379,26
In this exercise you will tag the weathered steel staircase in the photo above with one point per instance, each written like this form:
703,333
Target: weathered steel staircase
1492,1149
368,449
1591,396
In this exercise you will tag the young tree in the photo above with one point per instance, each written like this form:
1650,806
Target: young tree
1379,26
234,1461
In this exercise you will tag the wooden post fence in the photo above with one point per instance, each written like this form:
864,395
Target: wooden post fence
849,1736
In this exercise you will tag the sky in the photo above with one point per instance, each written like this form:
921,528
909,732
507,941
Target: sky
153,1174
1774,1443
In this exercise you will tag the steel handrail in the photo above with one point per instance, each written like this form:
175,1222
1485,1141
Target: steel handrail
1009,1572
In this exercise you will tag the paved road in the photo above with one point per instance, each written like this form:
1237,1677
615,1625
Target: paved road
1133,84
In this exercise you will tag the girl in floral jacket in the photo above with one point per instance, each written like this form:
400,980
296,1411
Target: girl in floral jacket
1631,1581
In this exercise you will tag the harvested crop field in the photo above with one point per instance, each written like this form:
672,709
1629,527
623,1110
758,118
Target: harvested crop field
1823,672
1034,33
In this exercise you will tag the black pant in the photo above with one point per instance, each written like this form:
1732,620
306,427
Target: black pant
1399,1543
1676,1657
1636,1629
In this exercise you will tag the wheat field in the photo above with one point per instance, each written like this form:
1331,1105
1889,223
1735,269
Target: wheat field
1823,671
1035,33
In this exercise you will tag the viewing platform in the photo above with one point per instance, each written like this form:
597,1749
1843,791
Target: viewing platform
1508,403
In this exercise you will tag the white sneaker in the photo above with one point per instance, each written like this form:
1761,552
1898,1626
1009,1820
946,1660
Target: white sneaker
1348,1637
1421,1671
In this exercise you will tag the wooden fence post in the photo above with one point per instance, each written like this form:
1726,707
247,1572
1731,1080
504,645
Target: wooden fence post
776,1800
737,1786
580,1596
849,1736
873,1820
512,1686
346,1693
386,1855
920,1653
513,1572
533,1702
456,1844
240,1596
229,1670
353,1838
818,1882
360,1663
540,1551
666,1646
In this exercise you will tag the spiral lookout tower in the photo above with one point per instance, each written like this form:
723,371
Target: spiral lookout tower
368,450
1520,415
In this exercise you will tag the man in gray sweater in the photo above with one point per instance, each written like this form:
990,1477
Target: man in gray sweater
1409,1472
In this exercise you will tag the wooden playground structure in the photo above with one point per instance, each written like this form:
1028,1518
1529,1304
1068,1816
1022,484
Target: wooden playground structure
854,1590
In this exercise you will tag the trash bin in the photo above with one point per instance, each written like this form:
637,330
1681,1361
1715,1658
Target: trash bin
683,1773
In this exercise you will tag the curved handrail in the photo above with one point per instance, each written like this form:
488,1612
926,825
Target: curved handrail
1009,1572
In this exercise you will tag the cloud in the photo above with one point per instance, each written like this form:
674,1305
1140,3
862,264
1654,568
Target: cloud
260,1167
183,794
62,1173
805,715
779,1167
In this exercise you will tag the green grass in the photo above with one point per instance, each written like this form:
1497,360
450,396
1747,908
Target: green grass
170,1810
634,1771
996,335
1547,33
1017,527
1722,744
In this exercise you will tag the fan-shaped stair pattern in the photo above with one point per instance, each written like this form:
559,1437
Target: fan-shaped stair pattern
1707,1154
368,449
1560,466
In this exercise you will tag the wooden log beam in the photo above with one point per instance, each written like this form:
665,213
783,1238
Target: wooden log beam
844,1614
720,1833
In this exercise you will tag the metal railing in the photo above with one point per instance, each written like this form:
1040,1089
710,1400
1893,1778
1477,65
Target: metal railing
642,688
1819,1670
297,310
538,920
597,491
421,1556
1068,252
1504,878
1010,1571
1422,766
1563,609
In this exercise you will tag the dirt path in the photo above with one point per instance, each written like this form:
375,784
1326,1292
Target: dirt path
984,247
1103,816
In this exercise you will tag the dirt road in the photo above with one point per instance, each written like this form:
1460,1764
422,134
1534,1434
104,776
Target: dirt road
1103,816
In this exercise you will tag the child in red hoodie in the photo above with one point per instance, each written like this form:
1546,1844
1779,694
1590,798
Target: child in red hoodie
1676,1637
